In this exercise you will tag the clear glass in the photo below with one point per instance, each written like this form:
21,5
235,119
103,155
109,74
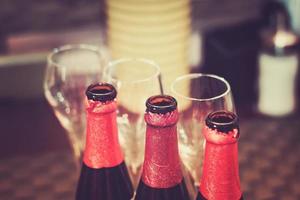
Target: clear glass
197,96
135,80
70,70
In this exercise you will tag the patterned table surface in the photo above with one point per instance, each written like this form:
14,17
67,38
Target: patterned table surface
269,152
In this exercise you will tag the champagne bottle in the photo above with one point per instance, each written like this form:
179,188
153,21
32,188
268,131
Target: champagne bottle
104,174
220,174
162,177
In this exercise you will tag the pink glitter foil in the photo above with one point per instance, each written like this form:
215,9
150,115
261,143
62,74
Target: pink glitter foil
161,167
220,179
102,145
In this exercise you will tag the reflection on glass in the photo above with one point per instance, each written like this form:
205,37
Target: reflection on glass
69,71
135,80
198,95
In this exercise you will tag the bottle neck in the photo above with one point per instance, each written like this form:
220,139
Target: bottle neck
220,177
162,168
102,145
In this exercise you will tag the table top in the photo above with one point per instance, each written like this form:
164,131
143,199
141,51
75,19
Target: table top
268,156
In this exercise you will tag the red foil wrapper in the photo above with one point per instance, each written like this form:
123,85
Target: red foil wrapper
102,144
161,167
220,179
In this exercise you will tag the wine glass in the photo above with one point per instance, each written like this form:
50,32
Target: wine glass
136,79
198,95
70,70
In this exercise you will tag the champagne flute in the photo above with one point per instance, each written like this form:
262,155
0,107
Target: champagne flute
198,95
70,70
136,79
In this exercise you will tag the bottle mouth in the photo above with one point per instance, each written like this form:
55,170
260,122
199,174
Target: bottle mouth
222,121
161,104
101,92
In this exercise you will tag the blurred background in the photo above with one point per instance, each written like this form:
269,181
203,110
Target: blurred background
225,38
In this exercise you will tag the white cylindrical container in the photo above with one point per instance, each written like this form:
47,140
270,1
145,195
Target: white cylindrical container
277,76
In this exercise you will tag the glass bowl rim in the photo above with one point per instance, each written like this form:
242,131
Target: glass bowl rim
150,62
197,75
68,47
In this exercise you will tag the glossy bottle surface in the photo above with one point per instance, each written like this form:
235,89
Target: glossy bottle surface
105,183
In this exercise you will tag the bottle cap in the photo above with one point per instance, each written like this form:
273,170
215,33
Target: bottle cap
161,104
101,92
